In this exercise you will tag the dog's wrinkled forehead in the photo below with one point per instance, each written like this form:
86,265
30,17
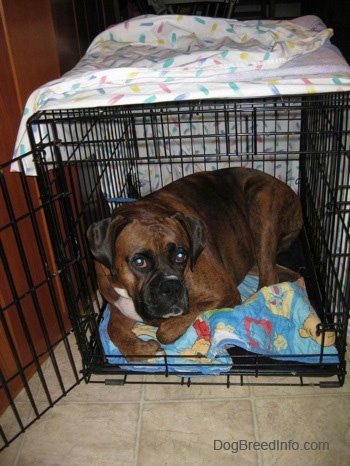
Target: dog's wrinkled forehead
153,235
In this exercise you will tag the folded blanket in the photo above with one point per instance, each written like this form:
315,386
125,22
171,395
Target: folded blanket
173,57
186,43
190,353
278,321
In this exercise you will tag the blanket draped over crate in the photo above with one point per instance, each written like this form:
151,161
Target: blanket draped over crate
278,321
153,59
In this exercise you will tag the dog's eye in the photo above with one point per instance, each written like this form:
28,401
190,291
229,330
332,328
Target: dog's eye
180,257
140,262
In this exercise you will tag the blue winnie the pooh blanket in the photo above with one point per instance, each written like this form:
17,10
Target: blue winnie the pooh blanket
278,321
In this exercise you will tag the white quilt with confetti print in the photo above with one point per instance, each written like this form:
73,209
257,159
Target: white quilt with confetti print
167,58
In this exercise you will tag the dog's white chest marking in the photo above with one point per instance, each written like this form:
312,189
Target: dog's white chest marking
126,305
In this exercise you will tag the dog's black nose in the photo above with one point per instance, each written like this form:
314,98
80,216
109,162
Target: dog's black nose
166,296
170,287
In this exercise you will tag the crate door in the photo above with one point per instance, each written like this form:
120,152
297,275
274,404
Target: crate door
33,315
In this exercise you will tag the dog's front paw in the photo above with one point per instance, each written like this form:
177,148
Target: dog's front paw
169,331
144,350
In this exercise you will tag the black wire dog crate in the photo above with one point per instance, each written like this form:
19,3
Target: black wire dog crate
89,161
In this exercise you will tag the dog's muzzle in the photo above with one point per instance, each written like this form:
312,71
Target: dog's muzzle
164,297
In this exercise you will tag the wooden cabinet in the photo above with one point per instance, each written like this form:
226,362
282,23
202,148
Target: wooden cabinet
28,58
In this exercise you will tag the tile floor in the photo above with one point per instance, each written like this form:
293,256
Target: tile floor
151,425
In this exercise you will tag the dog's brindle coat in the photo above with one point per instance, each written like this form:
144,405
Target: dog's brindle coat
184,249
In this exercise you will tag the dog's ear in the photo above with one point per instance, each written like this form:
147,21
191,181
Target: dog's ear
196,232
102,236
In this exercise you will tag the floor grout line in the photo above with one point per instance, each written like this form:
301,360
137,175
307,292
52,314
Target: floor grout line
139,426
255,426
19,452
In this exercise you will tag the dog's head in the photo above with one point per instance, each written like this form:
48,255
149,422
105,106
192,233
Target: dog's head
148,257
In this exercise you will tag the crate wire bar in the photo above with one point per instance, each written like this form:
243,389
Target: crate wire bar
91,160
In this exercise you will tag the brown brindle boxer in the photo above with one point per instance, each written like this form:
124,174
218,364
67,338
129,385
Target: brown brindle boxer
185,248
